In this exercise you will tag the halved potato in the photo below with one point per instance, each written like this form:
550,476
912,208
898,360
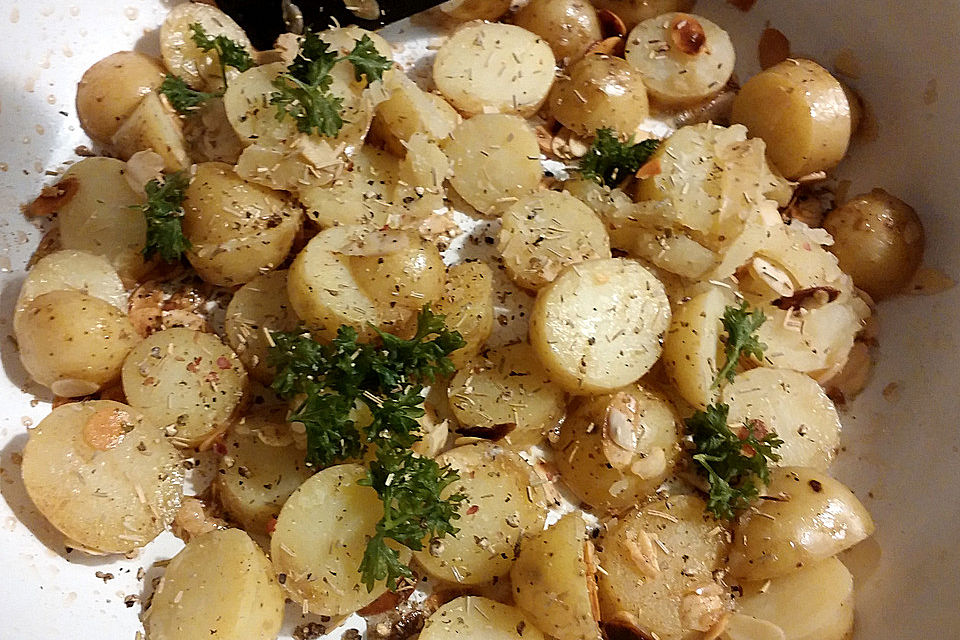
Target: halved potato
76,271
200,69
599,92
477,617
467,303
153,126
410,110
112,88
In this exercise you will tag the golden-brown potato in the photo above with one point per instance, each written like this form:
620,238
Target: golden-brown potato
219,586
73,270
73,343
475,617
878,240
502,505
155,127
600,91
490,67
467,303
187,381
814,517
568,26
237,229
614,450
112,88
691,349
682,58
634,11
658,569
103,474
505,392
360,195
553,580
475,9
801,112
410,110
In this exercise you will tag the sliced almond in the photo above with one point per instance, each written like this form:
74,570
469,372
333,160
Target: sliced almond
773,276
612,46
52,198
704,607
687,34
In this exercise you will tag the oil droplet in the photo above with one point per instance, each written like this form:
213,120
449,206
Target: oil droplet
131,12
26,139
4,167
30,84
45,63
47,11
67,51
40,130
74,11
15,15
51,99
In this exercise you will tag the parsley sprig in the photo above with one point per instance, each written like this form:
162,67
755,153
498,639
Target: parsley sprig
183,98
741,325
163,211
303,91
330,380
732,462
609,161
230,53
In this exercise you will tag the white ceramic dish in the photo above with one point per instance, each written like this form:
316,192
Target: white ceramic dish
902,448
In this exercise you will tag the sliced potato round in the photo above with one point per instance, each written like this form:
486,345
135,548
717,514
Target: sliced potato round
598,92
682,58
410,110
568,26
614,450
544,232
76,271
153,126
73,343
187,381
361,195
496,159
812,518
795,407
475,617
103,474
692,343
344,39
467,303
801,112
494,68
505,392
634,11
219,586
100,216
599,326
812,603
553,580
501,507
112,88
658,569
200,69
475,9
259,307
319,541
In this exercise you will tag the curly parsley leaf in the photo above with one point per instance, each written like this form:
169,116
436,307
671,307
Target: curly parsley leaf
311,108
733,463
182,98
163,211
741,326
367,61
609,161
229,52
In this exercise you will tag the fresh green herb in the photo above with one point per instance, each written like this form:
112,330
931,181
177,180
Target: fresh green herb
610,161
741,325
230,54
330,381
182,98
163,210
303,92
732,462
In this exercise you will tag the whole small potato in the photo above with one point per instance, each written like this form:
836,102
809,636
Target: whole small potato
878,240
568,26
112,88
635,11
600,91
476,9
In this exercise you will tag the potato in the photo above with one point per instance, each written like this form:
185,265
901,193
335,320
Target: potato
878,240
813,603
75,271
616,449
467,303
187,381
814,517
494,68
155,127
815,346
801,112
237,229
682,58
320,539
505,392
475,617
658,569
742,627
409,110
259,307
200,69
673,252
73,343
544,232
361,195
634,11
600,92
795,407
475,9
100,217
568,26
599,326
209,136
218,586
419,187
112,88
508,504
255,477
553,580
103,474
344,39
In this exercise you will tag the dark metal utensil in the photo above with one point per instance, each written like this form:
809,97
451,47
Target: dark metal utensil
264,20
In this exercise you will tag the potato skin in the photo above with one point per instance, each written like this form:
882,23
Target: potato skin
478,617
634,11
467,303
476,9
112,88
568,26
878,240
